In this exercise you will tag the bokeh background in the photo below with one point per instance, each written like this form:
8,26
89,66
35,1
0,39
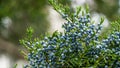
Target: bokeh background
17,15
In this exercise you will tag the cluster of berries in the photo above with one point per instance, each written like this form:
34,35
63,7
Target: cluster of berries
80,38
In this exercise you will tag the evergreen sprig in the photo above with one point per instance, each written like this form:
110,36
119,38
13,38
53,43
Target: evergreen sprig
79,46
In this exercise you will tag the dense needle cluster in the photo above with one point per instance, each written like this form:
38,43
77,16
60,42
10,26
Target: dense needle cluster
78,46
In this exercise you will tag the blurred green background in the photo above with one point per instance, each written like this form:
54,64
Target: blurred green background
17,15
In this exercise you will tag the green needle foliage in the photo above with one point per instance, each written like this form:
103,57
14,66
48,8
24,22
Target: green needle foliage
79,46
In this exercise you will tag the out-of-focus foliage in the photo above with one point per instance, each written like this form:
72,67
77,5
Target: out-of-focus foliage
24,13
33,13
108,7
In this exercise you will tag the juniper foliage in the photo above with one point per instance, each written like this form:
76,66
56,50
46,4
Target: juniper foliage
79,46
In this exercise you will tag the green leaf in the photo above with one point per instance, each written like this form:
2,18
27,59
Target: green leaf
87,8
78,10
102,20
15,66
